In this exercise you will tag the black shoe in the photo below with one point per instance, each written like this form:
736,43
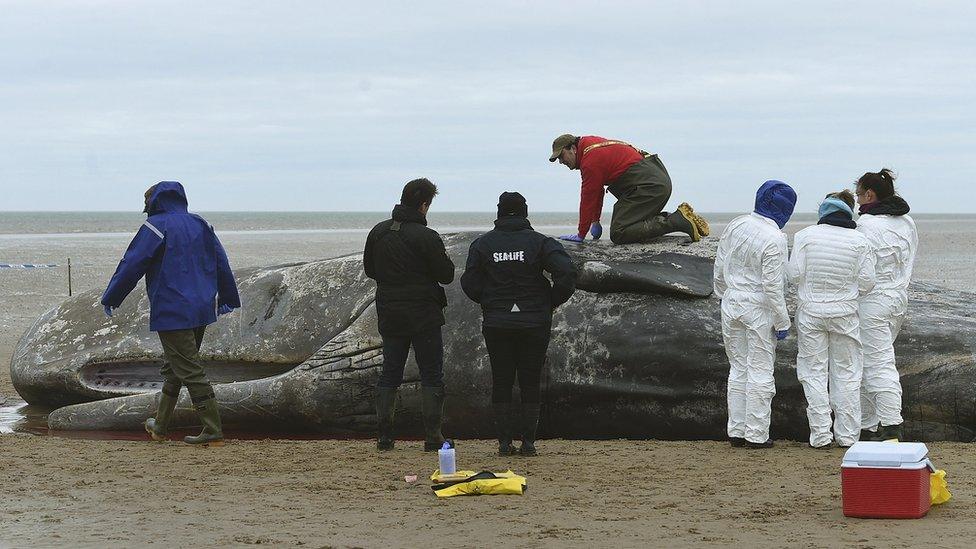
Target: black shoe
530,423
888,432
432,400
868,435
385,411
737,442
827,446
759,445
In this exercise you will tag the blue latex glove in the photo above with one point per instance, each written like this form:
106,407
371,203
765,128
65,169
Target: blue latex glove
108,310
596,230
781,334
571,237
224,309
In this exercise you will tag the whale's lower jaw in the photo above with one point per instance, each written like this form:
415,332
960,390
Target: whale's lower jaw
133,377
117,378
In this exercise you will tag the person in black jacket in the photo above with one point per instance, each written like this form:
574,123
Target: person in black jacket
504,273
409,263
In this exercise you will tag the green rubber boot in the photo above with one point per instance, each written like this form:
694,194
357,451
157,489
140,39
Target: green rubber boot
503,427
212,434
530,423
385,411
158,427
433,410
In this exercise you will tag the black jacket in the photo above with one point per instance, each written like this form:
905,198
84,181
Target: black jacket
504,273
408,262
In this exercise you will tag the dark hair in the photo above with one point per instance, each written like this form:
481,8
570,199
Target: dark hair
882,183
417,192
846,196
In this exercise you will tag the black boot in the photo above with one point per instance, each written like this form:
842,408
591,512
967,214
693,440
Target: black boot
385,410
530,422
503,427
158,427
433,410
867,434
759,445
212,434
888,432
737,442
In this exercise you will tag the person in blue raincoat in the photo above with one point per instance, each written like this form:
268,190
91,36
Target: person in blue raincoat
189,282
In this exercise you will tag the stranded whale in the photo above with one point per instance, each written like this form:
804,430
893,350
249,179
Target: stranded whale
637,352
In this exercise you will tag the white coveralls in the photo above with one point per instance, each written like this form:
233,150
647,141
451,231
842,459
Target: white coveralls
894,241
831,267
750,278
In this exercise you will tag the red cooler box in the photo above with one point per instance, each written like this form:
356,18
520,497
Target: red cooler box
886,480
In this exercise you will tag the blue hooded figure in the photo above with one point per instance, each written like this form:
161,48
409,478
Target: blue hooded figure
189,282
776,200
187,273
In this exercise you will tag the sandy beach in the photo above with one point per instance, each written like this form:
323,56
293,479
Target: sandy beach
328,493
343,494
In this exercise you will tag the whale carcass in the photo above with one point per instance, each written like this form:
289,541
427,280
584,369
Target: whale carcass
637,353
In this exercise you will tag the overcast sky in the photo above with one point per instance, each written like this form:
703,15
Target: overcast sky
334,105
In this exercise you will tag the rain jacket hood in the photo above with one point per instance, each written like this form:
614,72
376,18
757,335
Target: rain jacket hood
186,269
776,200
167,197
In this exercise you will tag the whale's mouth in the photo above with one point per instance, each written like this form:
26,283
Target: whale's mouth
131,377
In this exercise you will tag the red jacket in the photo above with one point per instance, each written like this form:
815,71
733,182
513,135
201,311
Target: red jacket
599,167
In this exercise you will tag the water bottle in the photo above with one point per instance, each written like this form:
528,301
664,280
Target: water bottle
445,457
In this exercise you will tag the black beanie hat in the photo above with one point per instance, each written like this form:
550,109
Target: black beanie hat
512,204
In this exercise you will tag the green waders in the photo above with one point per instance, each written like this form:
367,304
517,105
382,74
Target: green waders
642,192
183,367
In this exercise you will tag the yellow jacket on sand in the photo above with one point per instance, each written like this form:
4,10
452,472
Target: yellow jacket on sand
469,483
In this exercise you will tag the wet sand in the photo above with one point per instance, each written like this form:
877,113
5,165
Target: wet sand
344,494
68,492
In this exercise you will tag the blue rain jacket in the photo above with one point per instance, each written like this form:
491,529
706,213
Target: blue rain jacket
776,200
187,272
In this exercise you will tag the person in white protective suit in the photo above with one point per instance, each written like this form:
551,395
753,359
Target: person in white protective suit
891,232
832,266
750,278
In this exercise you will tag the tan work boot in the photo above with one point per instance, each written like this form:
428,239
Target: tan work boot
685,219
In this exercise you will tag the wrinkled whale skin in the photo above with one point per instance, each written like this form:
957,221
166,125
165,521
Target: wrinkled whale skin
643,363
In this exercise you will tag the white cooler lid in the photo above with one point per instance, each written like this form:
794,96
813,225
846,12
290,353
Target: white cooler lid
885,454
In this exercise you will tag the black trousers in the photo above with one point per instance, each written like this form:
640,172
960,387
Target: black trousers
428,349
516,352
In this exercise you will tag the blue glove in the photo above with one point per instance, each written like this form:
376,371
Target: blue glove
571,237
224,309
108,310
781,334
596,230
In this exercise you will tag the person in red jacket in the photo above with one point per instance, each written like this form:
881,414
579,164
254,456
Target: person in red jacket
638,180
